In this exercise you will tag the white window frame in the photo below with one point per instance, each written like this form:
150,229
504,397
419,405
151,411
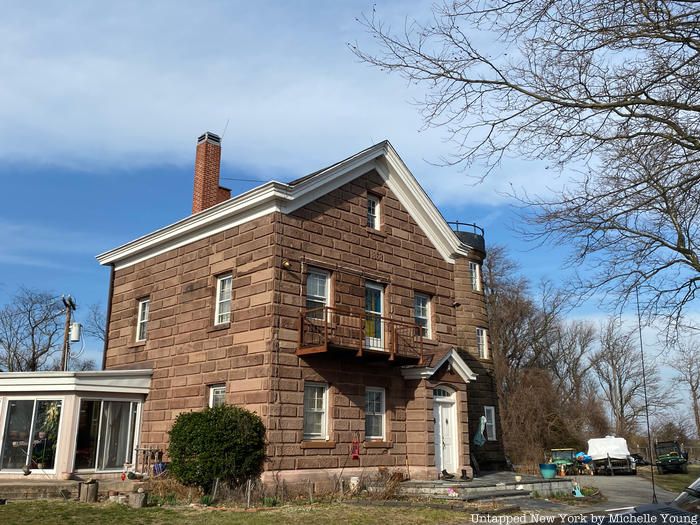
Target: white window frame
143,312
326,299
482,343
381,391
213,391
475,269
376,343
373,199
490,413
5,413
136,431
428,313
324,420
219,301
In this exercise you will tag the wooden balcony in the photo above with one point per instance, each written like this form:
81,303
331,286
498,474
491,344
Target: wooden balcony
327,328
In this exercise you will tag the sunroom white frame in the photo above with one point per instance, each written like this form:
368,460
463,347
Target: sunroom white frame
4,412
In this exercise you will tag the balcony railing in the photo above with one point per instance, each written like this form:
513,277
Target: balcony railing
363,332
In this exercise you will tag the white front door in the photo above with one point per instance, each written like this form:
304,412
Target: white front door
444,413
374,329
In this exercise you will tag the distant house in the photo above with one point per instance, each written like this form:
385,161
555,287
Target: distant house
340,307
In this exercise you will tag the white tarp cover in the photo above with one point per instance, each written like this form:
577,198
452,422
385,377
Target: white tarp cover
601,448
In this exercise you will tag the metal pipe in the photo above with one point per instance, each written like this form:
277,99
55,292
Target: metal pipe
646,400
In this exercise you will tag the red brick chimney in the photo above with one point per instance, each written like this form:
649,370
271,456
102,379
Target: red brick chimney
207,191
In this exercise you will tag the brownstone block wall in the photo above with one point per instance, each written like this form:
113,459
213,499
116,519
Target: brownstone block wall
184,348
332,234
472,314
255,353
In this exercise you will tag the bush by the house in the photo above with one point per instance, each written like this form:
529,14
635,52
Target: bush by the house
225,442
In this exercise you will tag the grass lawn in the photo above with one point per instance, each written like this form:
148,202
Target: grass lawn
68,513
673,482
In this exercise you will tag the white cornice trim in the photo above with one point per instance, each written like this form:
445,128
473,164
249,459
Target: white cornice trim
105,381
426,372
280,197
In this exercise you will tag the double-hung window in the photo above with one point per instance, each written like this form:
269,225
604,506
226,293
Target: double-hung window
142,319
475,269
373,212
222,313
421,314
490,413
482,344
317,292
217,395
315,410
375,409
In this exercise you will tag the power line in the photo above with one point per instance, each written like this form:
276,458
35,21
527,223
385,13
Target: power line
242,180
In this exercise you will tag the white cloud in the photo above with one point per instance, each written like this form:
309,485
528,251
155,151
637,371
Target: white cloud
94,87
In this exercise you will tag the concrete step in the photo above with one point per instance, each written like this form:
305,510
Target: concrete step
40,489
480,490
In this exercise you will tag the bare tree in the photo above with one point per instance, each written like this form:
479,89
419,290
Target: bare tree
672,427
613,85
31,330
545,387
568,359
637,224
686,362
618,369
96,322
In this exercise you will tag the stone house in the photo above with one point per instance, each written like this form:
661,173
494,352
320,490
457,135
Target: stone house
340,307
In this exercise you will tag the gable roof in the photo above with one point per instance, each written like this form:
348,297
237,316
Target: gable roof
459,366
276,196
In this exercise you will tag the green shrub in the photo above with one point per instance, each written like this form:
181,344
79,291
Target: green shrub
224,442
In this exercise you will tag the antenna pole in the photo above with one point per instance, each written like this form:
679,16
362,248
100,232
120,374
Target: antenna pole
646,400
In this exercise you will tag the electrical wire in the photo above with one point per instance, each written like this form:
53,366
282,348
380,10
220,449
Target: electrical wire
242,180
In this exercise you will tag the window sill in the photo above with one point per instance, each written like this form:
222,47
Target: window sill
317,444
374,231
138,344
379,444
218,327
430,342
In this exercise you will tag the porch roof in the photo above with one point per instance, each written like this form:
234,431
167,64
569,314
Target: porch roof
104,381
451,356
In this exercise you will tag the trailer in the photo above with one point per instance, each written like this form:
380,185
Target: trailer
611,456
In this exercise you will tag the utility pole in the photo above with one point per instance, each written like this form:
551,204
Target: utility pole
69,303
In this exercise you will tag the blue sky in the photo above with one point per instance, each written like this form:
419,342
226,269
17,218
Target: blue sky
100,106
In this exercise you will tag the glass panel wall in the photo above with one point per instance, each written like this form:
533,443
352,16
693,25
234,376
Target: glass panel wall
88,428
31,434
45,434
114,435
106,432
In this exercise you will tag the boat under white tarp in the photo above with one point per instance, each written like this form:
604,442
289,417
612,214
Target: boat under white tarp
608,447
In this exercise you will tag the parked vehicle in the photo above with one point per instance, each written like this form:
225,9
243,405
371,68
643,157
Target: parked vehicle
611,456
564,457
670,457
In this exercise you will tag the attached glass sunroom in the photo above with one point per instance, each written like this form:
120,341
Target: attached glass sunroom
55,425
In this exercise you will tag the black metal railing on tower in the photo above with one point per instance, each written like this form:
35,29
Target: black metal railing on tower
469,233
